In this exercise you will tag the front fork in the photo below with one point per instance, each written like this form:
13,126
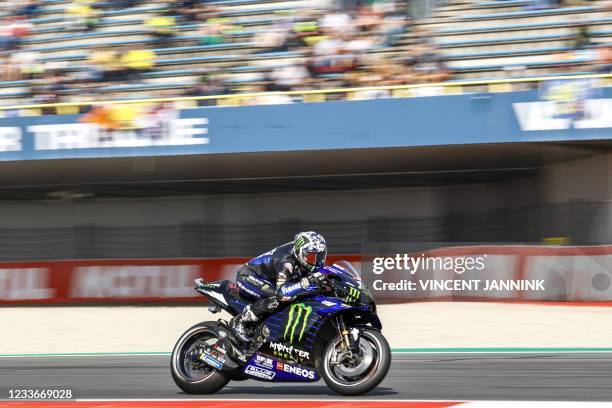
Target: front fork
350,341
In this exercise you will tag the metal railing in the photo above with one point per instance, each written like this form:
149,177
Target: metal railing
306,96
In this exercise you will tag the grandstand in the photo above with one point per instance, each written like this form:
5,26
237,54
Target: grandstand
462,40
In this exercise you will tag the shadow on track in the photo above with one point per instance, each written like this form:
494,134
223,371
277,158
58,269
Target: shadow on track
289,391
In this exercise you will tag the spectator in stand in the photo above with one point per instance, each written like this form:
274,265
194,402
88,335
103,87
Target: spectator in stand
28,62
217,30
582,39
156,122
272,40
12,32
188,10
9,71
81,15
126,116
290,77
118,4
47,89
7,41
136,61
307,31
208,86
359,44
337,22
162,26
430,66
105,64
393,26
331,56
29,10
605,59
101,116
21,27
367,19
266,98
211,33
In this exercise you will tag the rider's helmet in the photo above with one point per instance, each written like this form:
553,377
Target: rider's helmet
310,250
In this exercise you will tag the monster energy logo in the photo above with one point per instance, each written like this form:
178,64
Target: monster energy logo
298,312
353,295
299,243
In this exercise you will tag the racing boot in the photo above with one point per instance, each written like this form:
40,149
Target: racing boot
237,324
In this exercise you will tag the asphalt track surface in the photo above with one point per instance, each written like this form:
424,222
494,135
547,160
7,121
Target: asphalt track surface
512,376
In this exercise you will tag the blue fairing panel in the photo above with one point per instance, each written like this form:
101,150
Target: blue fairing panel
297,323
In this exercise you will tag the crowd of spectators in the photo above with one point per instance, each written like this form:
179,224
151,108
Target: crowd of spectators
334,48
372,44
338,47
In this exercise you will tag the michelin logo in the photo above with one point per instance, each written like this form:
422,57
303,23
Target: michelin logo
259,372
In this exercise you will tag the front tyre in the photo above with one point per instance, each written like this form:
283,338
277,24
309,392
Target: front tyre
356,374
191,377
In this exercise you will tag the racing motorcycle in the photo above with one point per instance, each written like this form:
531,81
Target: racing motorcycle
333,333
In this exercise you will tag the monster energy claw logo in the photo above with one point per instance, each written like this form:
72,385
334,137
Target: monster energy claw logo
353,295
298,312
300,243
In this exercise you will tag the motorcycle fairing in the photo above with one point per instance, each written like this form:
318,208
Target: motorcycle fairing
222,293
287,355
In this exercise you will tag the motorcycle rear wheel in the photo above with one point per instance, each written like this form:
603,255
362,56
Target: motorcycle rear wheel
204,380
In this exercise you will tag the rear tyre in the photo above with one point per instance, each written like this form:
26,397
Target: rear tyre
191,378
361,373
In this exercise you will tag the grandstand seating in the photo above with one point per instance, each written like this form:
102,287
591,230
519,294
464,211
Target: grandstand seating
478,39
485,39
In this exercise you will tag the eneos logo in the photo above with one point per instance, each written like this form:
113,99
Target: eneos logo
301,371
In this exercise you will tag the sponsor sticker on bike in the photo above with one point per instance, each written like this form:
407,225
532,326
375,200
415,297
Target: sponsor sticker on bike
283,350
216,364
214,357
300,371
259,372
264,361
297,322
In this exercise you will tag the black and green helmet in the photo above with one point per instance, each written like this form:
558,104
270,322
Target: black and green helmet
310,250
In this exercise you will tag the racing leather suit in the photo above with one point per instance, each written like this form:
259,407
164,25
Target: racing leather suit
271,278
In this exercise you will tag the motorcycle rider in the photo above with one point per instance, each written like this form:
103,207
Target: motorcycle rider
279,276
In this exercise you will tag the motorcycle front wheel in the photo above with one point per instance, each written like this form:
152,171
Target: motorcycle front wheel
191,377
360,372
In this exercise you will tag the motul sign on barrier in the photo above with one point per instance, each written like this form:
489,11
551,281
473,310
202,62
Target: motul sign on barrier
134,281
17,284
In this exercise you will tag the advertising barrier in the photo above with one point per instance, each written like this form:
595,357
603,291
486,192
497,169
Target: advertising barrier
472,273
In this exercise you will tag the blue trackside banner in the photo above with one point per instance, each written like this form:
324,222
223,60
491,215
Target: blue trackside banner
548,114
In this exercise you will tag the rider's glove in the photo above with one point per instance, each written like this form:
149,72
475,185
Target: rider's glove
317,279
